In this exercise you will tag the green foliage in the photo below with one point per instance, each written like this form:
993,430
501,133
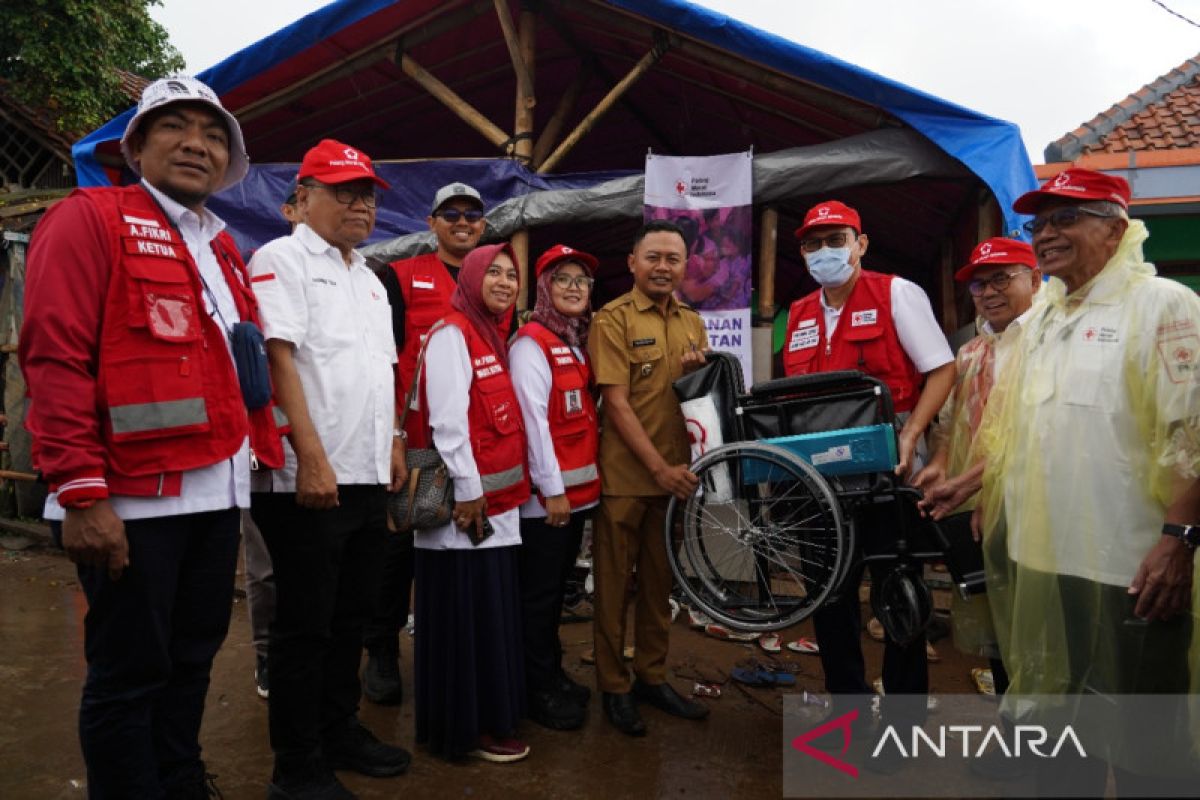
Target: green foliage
64,55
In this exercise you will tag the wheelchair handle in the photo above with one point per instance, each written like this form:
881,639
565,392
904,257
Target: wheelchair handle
819,382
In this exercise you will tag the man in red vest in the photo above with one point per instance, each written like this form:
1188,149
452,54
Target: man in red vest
881,325
425,283
143,432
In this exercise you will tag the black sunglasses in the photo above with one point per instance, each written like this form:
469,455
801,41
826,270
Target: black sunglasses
453,215
1060,218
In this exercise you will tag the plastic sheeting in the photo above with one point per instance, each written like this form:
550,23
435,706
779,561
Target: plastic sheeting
884,156
990,148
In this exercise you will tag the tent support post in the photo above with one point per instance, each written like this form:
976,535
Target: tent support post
566,104
465,111
523,130
767,249
639,69
946,285
520,63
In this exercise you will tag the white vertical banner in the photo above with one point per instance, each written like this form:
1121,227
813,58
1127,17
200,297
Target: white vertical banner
710,198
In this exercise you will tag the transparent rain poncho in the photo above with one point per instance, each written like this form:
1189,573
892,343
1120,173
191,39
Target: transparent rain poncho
1091,430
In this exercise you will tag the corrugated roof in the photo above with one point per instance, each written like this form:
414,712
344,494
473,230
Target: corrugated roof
1162,115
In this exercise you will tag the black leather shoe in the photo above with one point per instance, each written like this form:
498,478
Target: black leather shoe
577,691
306,781
355,748
665,698
556,710
381,678
623,714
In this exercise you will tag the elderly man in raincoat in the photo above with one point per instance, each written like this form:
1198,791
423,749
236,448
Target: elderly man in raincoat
1092,441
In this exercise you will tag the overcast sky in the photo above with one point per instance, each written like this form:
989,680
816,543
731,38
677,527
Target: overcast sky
1047,65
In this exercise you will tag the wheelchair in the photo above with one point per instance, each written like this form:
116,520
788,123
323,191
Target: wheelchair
769,534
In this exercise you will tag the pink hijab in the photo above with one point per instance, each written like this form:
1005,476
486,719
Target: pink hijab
468,297
572,330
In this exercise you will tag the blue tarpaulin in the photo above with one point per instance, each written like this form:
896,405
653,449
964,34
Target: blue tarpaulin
990,148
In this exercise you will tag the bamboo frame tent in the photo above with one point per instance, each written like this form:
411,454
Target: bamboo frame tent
549,108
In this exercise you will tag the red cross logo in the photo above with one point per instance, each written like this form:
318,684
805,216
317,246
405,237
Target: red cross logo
1089,334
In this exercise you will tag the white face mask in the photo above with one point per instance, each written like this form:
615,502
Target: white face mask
830,266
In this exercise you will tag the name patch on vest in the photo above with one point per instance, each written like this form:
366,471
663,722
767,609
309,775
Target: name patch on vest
144,248
484,360
644,342
558,350
868,317
423,283
149,232
563,361
804,338
485,372
573,402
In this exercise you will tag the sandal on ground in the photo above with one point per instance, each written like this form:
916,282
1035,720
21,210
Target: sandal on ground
763,677
984,682
770,642
804,645
718,631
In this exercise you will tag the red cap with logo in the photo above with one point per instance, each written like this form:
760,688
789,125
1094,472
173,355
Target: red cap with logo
831,212
560,253
334,162
1078,184
994,252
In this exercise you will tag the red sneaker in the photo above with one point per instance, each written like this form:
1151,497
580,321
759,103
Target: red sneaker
500,751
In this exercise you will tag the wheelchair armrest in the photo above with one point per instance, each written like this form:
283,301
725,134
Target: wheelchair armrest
823,383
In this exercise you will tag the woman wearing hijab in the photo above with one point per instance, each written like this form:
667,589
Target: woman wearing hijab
470,680
551,376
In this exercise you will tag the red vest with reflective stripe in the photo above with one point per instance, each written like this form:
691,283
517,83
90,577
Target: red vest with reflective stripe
865,339
494,420
426,286
572,417
167,388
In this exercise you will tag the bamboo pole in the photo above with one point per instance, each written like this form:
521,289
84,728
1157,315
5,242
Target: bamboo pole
526,41
767,253
465,111
639,69
566,104
520,63
17,476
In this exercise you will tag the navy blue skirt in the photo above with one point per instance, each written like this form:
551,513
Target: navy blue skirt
469,668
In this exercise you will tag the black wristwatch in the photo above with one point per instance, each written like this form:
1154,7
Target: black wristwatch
1189,534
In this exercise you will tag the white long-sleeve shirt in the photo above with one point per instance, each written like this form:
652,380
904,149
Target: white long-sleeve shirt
532,381
448,376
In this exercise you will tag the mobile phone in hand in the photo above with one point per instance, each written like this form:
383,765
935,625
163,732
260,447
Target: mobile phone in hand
478,538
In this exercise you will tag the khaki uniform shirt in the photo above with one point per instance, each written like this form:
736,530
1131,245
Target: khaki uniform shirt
633,344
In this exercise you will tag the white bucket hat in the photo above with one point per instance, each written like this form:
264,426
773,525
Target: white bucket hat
180,90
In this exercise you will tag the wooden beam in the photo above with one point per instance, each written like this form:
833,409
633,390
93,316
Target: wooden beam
520,62
566,104
767,251
465,111
639,69
522,150
378,51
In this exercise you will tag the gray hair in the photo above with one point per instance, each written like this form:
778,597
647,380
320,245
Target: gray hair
1108,208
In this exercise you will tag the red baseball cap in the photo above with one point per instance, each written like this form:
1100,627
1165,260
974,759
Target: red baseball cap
333,162
559,253
995,251
1078,184
831,212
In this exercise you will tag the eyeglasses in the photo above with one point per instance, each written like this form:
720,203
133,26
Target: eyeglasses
1061,218
453,215
999,282
815,243
564,281
346,195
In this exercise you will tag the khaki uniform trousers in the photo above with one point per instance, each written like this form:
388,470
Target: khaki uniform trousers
628,532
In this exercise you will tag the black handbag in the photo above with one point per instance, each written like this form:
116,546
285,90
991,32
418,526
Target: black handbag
427,499
249,350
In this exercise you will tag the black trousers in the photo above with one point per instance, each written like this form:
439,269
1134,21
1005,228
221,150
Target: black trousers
547,557
150,638
838,627
327,566
382,632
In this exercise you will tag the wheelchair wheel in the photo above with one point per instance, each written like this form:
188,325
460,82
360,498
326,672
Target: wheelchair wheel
760,544
902,604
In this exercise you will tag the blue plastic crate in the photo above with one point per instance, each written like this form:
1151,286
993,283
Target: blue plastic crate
848,451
